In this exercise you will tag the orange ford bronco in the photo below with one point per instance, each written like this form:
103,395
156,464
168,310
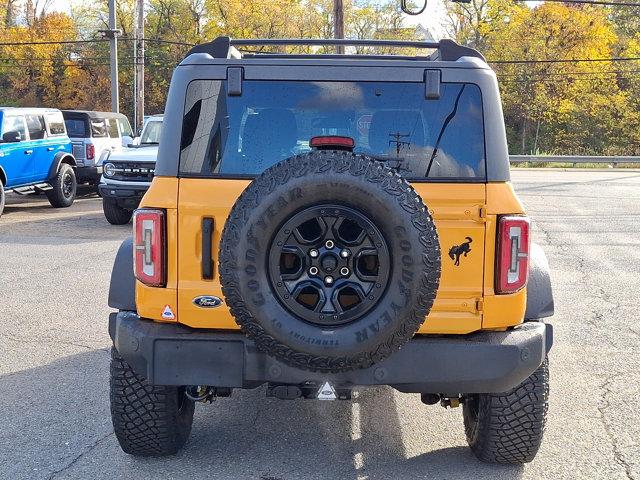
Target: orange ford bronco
319,223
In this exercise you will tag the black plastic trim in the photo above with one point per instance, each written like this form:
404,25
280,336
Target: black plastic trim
122,289
539,291
481,362
59,159
207,241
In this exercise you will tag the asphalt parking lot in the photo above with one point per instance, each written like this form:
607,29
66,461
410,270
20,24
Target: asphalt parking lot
55,423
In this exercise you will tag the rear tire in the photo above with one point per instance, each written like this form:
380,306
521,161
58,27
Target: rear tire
114,214
508,427
148,420
64,186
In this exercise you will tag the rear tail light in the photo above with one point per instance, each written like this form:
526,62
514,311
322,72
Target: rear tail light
149,246
91,151
513,254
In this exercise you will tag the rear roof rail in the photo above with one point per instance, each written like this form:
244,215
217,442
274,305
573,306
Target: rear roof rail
226,47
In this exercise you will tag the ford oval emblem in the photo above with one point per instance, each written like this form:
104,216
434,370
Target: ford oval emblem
207,301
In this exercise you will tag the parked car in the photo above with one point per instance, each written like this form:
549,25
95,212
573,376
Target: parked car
93,133
321,223
127,174
36,155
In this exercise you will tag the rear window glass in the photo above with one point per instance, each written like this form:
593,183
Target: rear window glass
98,128
56,123
392,122
35,125
76,127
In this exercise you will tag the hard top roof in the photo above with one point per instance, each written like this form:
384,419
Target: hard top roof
93,114
28,110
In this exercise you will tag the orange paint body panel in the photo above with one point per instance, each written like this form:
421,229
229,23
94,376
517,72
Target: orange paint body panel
465,301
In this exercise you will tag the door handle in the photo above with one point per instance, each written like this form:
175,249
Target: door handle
28,152
49,149
207,240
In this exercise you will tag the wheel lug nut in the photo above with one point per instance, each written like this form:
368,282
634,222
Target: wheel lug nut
344,253
328,280
329,244
344,271
313,253
313,271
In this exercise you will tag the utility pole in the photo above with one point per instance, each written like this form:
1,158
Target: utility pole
112,34
338,20
139,67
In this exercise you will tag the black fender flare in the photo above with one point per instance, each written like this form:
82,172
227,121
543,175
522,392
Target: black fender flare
122,289
61,157
3,176
539,291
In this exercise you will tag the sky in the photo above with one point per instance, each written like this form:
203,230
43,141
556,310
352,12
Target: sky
432,17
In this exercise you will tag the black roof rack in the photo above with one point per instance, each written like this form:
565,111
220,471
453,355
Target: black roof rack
224,47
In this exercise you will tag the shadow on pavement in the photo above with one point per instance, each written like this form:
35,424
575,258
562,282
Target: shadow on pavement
56,424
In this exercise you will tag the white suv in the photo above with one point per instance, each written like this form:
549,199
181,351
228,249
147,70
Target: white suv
92,134
127,173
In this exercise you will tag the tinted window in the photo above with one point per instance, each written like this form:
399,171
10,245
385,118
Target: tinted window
393,122
98,127
56,124
35,124
76,127
113,128
14,124
125,128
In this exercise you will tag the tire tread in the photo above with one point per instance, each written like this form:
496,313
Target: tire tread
510,426
146,418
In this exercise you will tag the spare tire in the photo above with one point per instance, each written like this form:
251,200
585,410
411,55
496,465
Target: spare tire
329,261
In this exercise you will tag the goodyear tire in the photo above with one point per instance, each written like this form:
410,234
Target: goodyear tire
148,420
508,427
329,261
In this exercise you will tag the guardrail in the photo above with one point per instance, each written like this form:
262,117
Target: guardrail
572,159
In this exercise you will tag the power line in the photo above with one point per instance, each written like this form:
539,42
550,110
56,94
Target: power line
52,42
594,2
186,44
606,72
567,60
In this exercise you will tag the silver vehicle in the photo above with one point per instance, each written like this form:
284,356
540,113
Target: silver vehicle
92,134
127,173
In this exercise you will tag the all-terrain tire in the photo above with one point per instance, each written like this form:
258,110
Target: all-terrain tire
508,427
114,214
64,186
1,197
331,180
148,420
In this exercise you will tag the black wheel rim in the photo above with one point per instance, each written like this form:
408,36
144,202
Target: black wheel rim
67,185
329,265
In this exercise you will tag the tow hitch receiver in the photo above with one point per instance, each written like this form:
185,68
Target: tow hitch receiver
308,390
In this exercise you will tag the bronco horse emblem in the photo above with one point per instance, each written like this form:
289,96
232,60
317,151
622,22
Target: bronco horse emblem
457,250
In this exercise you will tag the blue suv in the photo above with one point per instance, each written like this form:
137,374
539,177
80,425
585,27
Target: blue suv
35,155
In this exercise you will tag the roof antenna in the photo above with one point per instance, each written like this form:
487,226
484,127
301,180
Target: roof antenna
405,8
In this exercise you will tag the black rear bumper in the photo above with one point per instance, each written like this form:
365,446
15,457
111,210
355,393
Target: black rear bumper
482,362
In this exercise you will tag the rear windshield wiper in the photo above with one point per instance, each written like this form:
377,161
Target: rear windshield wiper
445,124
